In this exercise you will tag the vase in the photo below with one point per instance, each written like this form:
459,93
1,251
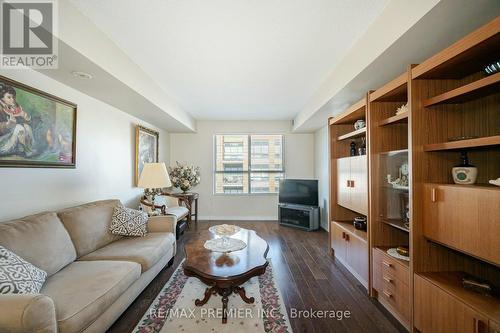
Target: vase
464,173
185,189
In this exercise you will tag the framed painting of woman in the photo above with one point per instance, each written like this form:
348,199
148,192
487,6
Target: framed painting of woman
36,129
146,149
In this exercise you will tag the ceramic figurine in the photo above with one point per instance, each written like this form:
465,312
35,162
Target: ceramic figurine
353,148
464,173
359,124
402,109
402,182
362,149
495,182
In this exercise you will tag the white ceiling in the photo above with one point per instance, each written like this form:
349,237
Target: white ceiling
235,59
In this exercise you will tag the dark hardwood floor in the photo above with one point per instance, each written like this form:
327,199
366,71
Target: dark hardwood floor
308,277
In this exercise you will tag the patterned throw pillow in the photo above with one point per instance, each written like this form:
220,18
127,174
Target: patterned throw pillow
128,222
17,276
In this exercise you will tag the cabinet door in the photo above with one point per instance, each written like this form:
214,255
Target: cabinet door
357,257
359,184
464,217
343,177
338,242
438,312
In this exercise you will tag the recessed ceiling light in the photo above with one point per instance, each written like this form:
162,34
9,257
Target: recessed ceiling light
81,75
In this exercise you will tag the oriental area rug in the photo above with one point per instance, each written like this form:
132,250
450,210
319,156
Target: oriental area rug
174,311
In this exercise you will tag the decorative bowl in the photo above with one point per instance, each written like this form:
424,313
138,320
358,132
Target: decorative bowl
224,229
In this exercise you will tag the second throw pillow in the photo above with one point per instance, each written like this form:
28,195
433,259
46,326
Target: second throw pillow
128,222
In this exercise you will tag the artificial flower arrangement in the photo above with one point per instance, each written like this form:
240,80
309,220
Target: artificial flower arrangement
184,176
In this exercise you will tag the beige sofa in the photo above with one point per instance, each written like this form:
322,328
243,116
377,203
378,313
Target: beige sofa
93,275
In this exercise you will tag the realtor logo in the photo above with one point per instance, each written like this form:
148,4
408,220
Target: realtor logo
28,34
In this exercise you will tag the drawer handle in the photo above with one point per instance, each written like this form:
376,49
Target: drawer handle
343,235
347,237
348,183
387,279
352,183
385,263
388,294
433,194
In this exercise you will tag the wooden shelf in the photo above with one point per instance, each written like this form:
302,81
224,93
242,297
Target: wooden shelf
474,186
468,92
461,144
394,91
392,188
463,57
394,152
353,134
451,283
385,248
400,118
348,226
349,116
396,223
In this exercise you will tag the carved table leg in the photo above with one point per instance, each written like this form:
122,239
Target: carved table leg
188,205
225,293
243,295
208,294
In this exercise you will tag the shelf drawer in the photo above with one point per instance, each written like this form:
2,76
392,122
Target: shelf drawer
383,281
389,266
398,299
393,292
464,217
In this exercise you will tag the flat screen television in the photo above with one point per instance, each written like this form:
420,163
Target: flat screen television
299,192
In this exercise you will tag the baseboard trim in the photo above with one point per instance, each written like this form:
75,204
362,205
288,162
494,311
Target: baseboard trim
239,218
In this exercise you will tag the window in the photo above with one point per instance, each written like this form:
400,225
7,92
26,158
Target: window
248,163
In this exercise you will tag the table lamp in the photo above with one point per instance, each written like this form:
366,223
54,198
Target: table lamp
154,176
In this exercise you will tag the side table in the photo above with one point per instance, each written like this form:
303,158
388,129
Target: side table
190,201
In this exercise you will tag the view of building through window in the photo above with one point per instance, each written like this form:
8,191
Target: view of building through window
248,163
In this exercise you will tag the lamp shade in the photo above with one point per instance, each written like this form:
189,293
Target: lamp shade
154,175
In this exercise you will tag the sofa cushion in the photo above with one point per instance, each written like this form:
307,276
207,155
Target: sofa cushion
128,222
83,290
40,239
145,251
17,276
88,225
179,212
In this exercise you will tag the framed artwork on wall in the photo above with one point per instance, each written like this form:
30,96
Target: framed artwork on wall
146,148
37,130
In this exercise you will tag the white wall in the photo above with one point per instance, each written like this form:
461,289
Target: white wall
105,158
321,172
197,148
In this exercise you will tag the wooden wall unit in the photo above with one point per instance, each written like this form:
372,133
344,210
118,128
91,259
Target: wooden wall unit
389,150
454,230
456,227
349,192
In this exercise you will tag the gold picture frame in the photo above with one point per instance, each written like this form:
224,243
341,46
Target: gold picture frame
147,143
37,129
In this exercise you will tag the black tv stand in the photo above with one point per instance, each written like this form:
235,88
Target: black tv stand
299,216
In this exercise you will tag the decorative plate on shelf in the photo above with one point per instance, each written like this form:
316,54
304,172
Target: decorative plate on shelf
394,253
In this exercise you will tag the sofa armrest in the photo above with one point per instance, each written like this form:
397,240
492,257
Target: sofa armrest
162,223
27,313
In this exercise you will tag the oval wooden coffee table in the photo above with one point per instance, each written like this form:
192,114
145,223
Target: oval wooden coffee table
224,273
